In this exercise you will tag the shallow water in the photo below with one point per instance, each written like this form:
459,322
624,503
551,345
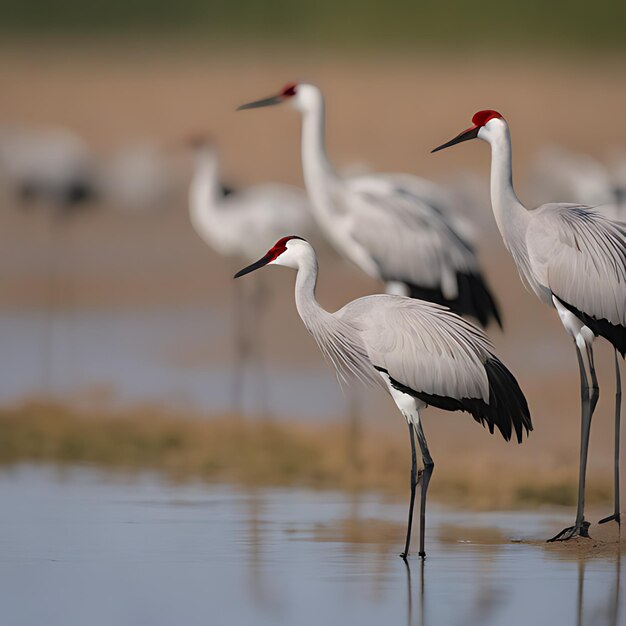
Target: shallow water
82,547
135,355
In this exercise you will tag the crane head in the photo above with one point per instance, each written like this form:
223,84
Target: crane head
479,122
277,254
287,92
198,140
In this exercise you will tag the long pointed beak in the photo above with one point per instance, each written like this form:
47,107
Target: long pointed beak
470,133
253,266
264,102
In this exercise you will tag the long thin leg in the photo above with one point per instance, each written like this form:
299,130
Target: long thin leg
618,409
414,481
589,399
257,311
429,466
595,388
241,346
354,429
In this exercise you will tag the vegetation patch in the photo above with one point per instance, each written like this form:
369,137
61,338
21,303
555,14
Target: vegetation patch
228,449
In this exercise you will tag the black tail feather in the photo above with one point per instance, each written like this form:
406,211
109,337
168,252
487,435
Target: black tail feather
614,334
507,406
474,298
507,409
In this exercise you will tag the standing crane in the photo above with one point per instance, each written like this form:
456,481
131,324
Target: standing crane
422,353
574,259
580,178
234,224
52,167
51,170
397,228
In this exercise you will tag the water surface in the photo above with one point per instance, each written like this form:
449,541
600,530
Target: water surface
136,355
83,547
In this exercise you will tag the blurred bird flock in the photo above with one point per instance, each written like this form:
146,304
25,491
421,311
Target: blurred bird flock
127,345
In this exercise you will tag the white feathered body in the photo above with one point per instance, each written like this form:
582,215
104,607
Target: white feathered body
242,223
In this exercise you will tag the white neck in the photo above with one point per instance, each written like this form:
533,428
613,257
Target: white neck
317,169
306,281
511,215
205,189
339,341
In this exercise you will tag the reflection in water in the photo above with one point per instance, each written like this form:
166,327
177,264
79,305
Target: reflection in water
259,583
158,553
614,610
581,592
421,604
607,612
409,593
491,593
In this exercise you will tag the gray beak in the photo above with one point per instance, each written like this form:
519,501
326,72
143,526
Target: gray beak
466,135
265,102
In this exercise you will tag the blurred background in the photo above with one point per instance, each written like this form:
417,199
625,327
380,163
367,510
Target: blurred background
116,319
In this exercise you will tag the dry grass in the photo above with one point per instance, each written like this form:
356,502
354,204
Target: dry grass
228,449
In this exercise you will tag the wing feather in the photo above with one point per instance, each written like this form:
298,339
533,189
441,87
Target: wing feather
409,239
580,255
423,346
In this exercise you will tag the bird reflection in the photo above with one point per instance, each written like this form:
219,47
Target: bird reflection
262,592
608,616
421,605
614,605
581,592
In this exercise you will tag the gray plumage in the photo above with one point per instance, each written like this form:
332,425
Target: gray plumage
579,255
574,258
397,228
422,345
423,354
408,240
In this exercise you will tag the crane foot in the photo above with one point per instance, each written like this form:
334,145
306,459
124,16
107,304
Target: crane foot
573,531
611,518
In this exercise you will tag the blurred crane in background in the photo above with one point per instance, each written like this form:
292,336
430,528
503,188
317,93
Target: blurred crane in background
397,228
574,259
238,225
53,170
50,169
137,177
560,173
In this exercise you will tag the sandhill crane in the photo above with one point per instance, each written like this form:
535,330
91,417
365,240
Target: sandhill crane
422,353
50,169
138,177
574,259
580,178
235,225
397,228
52,166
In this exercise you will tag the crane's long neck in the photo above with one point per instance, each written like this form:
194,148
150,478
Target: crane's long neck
337,341
308,307
318,171
511,215
205,190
